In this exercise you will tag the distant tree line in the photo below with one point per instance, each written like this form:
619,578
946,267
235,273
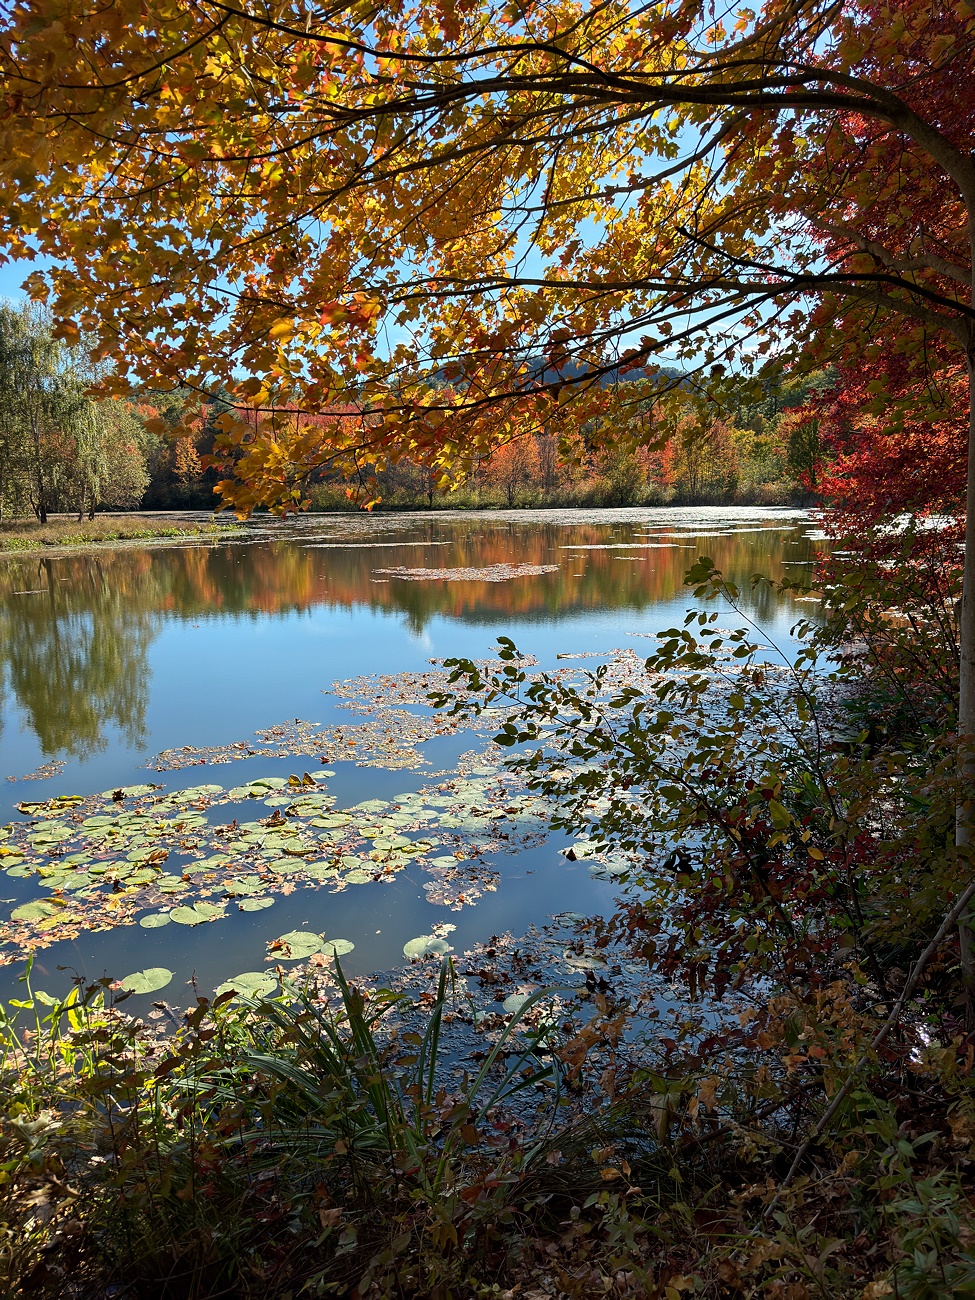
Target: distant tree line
62,449
748,449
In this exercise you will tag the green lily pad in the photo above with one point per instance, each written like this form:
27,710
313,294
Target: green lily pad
296,945
285,866
255,904
515,1001
333,819
321,870
252,984
197,914
337,947
35,911
425,945
149,980
154,920
246,886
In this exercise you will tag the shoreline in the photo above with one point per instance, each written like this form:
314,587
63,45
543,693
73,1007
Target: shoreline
27,537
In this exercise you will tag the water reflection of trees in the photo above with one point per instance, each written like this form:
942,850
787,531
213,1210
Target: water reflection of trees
74,654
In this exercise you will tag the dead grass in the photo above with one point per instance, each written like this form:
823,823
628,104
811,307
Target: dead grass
65,530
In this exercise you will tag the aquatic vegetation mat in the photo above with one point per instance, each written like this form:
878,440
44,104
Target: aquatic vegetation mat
488,573
143,855
43,772
140,855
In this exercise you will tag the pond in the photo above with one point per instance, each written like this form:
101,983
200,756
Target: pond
131,674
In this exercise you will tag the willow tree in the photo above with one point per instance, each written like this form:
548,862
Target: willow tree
464,220
42,407
59,448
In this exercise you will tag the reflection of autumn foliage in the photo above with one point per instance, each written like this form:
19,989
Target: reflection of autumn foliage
282,576
74,649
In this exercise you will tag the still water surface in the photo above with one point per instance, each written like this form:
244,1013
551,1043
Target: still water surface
108,657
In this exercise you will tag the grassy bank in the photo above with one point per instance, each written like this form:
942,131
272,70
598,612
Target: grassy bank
593,494
65,530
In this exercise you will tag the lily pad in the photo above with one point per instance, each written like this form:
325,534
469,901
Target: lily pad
296,945
515,1001
588,959
149,980
155,920
337,947
35,911
252,984
425,945
255,904
321,870
197,914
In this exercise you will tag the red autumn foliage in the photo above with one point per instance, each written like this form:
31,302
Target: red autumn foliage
904,453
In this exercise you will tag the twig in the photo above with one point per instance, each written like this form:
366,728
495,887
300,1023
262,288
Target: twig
911,984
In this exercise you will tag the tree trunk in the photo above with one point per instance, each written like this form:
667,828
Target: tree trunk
966,691
41,507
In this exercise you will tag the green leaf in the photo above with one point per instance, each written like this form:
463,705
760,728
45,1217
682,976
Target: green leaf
425,945
781,816
255,904
252,984
149,980
154,920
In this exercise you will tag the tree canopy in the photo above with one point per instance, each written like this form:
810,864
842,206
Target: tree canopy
467,220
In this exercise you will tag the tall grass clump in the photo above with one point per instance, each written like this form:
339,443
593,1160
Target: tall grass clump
267,1145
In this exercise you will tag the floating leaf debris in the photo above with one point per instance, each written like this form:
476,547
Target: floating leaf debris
489,573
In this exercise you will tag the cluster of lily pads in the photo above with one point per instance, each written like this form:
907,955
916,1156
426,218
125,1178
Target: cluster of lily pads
143,855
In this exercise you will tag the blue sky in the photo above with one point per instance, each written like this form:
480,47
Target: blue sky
12,276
